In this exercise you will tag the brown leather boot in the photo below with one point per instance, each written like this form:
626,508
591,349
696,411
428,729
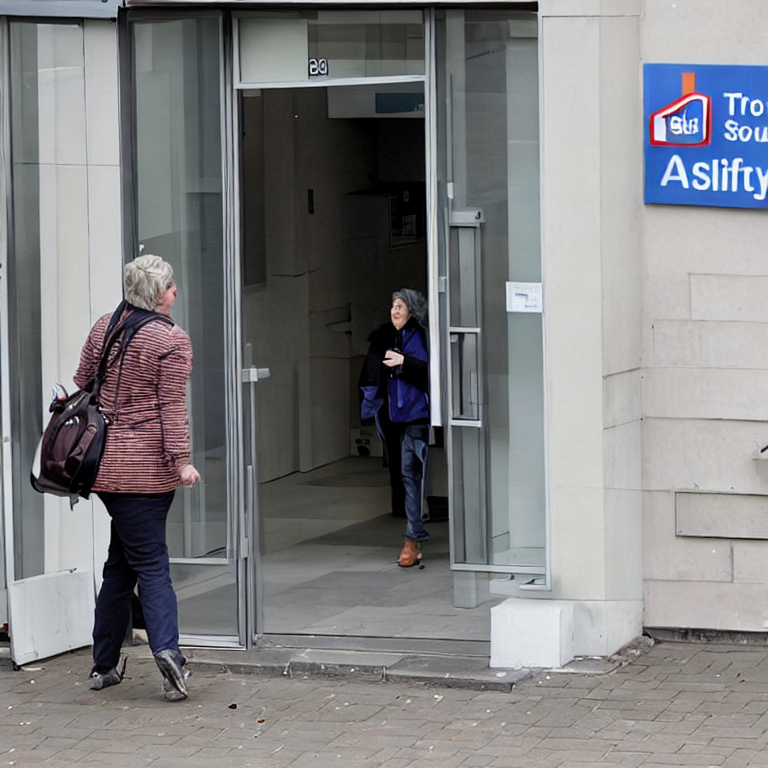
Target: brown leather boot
409,555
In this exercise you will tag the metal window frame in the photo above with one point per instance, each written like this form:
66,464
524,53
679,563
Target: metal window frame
241,546
71,9
7,575
521,5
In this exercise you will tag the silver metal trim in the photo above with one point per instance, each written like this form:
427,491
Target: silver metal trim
432,231
6,504
204,641
545,378
253,374
526,570
220,561
466,217
230,148
272,85
255,580
367,4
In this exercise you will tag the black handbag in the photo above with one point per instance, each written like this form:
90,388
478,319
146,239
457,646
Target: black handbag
69,453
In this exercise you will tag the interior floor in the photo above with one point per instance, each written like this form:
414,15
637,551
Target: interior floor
330,562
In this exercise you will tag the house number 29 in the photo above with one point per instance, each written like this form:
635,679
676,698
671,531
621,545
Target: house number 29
318,67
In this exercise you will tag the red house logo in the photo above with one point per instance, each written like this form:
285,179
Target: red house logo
686,122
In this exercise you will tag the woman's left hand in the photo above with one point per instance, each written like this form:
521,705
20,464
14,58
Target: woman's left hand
393,359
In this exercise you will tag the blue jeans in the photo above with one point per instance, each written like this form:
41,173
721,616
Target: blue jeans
137,552
414,449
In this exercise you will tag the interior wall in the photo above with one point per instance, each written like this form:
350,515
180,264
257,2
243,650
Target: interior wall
329,268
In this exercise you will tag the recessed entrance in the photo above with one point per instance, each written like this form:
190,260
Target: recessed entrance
334,212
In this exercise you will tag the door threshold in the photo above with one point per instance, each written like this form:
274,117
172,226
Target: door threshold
439,663
422,646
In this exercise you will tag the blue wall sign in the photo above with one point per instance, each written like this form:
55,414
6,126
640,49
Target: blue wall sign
706,135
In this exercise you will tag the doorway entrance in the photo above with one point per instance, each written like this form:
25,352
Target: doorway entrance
333,221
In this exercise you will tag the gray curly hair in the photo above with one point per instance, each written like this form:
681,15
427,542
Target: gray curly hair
416,303
146,279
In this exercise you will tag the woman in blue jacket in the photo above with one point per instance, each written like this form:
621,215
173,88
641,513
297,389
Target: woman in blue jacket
395,385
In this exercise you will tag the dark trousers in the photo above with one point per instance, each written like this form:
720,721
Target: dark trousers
407,446
392,437
137,553
414,448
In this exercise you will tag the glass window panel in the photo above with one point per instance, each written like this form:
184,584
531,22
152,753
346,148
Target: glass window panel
207,598
253,192
46,61
330,45
492,157
179,205
463,257
178,151
469,531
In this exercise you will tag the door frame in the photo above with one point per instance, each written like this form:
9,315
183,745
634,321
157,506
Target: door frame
253,597
6,499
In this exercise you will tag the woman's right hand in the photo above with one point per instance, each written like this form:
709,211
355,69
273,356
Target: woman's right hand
188,475
393,359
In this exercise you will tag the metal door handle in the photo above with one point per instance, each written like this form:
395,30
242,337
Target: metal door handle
252,374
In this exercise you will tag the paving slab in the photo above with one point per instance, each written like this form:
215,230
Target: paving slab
282,716
455,672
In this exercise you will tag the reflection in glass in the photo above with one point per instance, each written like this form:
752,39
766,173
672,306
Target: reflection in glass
179,211
492,157
330,45
44,60
179,217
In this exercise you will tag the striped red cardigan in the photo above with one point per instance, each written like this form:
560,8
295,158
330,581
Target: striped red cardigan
148,435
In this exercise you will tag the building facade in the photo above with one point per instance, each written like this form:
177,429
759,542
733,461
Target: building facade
596,374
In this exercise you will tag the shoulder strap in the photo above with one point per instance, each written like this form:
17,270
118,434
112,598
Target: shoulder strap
120,331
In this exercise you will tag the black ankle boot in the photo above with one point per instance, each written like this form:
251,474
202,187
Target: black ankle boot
171,665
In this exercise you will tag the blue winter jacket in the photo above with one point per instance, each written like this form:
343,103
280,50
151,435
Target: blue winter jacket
404,389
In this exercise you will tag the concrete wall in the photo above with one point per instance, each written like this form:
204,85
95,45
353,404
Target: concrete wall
705,367
591,185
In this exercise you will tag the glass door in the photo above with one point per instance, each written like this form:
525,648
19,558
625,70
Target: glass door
177,78
488,142
328,106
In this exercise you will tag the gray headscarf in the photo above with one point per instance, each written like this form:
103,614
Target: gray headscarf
416,303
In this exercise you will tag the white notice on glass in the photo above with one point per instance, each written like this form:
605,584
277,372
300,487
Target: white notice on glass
523,297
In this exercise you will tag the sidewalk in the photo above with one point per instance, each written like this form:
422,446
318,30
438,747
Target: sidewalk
675,705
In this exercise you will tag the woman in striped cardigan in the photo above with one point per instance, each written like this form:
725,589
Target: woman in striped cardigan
146,457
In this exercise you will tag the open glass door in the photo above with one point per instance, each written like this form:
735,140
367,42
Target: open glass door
487,63
177,85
